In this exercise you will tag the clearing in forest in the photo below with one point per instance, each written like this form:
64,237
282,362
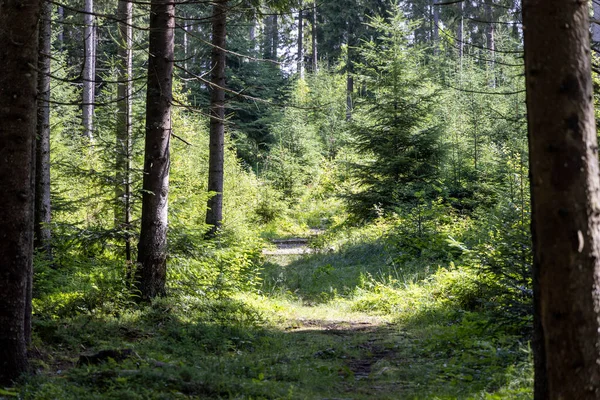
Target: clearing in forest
334,324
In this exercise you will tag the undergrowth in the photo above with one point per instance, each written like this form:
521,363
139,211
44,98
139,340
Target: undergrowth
353,320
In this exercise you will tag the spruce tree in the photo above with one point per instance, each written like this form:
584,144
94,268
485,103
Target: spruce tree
393,128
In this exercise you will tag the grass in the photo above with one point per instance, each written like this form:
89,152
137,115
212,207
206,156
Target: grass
342,324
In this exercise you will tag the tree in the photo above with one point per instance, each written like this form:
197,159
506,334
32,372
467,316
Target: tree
18,113
152,248
393,128
596,25
565,199
214,214
42,172
300,52
124,127
89,70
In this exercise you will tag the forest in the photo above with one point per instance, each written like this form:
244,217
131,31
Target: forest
299,199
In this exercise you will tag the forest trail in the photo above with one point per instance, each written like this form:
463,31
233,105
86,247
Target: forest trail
363,351
293,246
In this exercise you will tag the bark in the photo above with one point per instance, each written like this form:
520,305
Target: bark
436,28
60,37
267,39
18,113
315,53
596,25
565,192
124,134
274,37
152,247
43,234
185,42
300,56
89,70
491,42
349,71
253,32
460,31
214,213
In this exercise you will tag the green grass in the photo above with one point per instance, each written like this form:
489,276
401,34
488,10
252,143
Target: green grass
346,323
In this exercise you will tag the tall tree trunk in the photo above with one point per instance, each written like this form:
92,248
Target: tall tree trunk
596,25
214,214
252,32
460,32
60,37
89,70
124,137
43,234
300,56
491,42
268,38
565,192
315,53
274,37
436,28
152,248
349,72
18,113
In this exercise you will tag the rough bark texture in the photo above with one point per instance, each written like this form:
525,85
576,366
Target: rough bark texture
89,70
565,191
460,31
596,25
275,37
18,113
124,138
60,37
315,53
152,247
214,214
43,234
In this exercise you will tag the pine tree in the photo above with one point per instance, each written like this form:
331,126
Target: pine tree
393,127
565,198
151,274
18,113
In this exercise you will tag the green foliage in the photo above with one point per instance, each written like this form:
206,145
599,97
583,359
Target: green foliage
393,126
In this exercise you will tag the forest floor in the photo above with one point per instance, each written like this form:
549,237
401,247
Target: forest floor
321,327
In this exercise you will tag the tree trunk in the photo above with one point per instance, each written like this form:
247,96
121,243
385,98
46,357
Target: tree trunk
124,137
315,53
60,37
43,234
300,66
596,25
89,70
18,113
565,193
214,213
267,38
274,37
460,32
436,28
152,248
349,72
491,42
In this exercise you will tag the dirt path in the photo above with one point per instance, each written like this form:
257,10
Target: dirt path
289,247
293,246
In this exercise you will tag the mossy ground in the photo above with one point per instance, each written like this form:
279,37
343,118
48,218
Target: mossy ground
332,325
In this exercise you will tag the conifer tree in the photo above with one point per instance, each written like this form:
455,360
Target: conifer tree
393,127
151,274
18,113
